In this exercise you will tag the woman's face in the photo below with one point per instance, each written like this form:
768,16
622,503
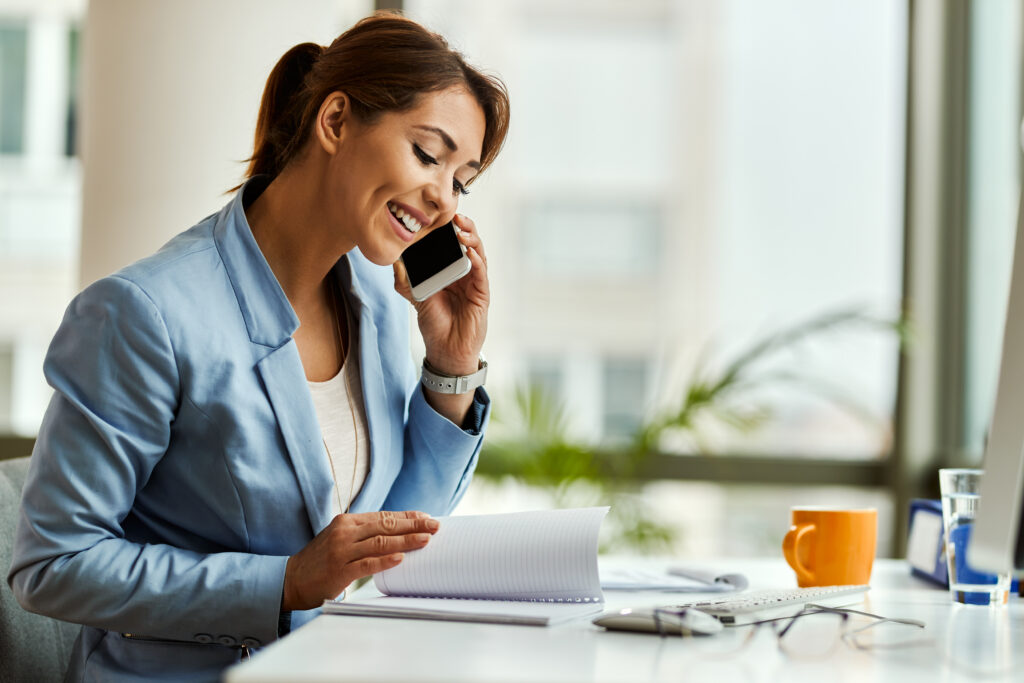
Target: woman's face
400,177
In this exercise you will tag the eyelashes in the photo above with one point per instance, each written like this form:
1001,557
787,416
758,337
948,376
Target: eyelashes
427,160
424,158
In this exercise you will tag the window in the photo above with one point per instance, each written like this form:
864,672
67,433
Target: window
682,179
623,237
609,396
625,397
6,387
74,62
13,48
40,191
546,375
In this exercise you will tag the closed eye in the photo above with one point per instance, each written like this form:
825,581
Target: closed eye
427,160
424,158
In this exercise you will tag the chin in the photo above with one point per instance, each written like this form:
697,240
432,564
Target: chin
381,257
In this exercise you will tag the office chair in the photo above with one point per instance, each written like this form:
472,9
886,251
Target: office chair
32,647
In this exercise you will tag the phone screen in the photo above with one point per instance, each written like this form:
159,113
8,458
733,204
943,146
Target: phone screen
432,254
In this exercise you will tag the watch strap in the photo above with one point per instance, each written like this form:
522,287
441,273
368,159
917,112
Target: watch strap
447,384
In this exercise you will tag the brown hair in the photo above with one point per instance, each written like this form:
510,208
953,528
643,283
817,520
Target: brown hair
383,63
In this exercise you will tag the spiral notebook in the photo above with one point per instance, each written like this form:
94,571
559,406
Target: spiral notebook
535,568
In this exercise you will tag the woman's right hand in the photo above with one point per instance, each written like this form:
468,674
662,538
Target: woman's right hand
350,547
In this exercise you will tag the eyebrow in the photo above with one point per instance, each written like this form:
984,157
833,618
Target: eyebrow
448,142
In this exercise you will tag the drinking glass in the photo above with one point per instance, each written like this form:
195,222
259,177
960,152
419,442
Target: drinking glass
960,490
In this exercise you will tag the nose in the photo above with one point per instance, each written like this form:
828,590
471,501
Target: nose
440,196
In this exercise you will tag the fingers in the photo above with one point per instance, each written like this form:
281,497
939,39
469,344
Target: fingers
469,236
374,565
379,546
352,546
367,517
389,523
402,285
479,266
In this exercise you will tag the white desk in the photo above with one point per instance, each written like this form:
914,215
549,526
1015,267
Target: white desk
961,643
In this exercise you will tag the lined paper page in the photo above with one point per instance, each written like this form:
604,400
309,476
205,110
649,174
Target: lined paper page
548,555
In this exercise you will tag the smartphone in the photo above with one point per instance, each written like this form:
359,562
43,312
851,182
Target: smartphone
435,261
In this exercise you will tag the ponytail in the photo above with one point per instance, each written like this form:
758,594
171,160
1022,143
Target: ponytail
383,63
281,109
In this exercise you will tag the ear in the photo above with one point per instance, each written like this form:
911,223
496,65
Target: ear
333,121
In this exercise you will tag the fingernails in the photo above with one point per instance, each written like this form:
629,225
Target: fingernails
422,538
433,525
397,557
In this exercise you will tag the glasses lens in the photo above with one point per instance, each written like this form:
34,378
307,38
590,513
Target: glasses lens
884,634
725,644
811,634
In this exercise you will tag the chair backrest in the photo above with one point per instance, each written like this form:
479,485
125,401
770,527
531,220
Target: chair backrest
32,647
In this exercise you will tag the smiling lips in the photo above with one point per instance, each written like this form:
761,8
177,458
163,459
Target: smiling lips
410,223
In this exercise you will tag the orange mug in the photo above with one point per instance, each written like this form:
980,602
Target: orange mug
831,547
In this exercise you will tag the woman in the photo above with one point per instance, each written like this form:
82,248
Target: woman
236,416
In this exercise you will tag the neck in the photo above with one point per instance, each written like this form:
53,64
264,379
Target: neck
292,230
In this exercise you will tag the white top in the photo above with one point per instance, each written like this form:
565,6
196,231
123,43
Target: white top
342,416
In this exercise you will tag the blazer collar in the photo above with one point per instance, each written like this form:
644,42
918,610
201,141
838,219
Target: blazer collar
268,314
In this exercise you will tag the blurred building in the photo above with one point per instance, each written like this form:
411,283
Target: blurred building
40,194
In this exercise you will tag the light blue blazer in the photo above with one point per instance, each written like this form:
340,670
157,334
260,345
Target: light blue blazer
180,461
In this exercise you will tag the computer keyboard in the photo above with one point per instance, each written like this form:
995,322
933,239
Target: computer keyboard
756,602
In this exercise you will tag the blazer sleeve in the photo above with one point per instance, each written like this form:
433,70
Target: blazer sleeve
116,392
440,457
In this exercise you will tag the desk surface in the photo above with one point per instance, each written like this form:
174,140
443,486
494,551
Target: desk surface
959,643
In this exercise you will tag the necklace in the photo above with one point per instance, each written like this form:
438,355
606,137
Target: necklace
352,411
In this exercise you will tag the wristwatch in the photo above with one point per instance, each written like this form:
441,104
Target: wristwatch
446,384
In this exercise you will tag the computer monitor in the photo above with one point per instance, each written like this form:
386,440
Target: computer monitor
997,540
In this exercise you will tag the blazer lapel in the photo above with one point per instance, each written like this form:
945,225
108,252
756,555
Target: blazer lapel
296,417
271,322
371,375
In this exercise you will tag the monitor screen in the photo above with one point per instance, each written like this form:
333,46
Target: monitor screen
997,543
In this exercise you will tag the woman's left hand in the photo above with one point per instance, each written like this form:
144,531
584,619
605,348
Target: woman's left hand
453,322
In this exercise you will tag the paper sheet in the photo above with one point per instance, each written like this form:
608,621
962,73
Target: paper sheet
545,555
671,580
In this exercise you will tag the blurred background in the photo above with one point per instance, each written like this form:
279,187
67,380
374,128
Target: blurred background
745,254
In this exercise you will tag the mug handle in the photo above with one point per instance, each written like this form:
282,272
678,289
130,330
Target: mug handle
796,532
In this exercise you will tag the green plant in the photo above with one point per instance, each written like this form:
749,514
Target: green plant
529,435
724,394
529,442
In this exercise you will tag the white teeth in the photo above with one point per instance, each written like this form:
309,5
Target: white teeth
410,223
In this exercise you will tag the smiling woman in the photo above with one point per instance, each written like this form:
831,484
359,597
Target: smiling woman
237,430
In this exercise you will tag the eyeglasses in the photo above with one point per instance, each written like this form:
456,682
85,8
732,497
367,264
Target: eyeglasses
797,636
800,636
